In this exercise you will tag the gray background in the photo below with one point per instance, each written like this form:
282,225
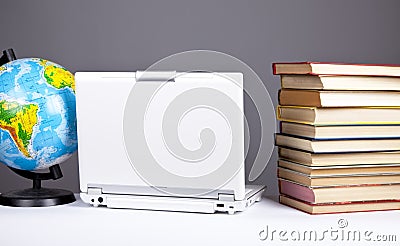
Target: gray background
126,35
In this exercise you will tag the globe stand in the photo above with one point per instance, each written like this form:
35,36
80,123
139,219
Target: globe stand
37,196
8,55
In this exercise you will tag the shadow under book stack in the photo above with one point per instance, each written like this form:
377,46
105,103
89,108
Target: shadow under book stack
339,141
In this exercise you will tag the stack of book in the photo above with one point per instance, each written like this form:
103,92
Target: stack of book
339,142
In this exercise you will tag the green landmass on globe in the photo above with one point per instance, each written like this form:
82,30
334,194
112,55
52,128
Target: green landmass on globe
19,121
37,114
57,76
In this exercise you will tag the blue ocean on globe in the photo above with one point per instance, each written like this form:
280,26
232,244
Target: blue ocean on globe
37,114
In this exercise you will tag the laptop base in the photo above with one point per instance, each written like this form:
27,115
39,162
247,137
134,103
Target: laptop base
179,204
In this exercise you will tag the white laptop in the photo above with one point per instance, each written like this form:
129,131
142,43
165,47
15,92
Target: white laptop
163,141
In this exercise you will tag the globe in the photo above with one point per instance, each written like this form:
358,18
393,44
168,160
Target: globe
37,114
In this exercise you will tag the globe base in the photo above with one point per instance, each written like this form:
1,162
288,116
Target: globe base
42,197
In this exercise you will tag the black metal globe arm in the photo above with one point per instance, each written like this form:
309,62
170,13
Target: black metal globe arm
35,196
8,55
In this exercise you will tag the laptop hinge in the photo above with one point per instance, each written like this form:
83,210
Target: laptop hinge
156,76
94,191
226,197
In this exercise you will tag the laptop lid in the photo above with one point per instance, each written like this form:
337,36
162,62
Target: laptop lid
161,133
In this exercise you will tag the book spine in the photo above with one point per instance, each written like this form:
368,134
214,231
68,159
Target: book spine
274,68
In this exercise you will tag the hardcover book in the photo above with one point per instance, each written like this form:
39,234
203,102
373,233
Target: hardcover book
338,145
340,132
338,179
339,159
341,170
326,68
339,207
345,193
340,116
335,82
314,98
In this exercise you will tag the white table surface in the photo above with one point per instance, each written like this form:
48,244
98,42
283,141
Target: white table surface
80,224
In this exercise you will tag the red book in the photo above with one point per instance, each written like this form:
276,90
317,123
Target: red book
325,68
